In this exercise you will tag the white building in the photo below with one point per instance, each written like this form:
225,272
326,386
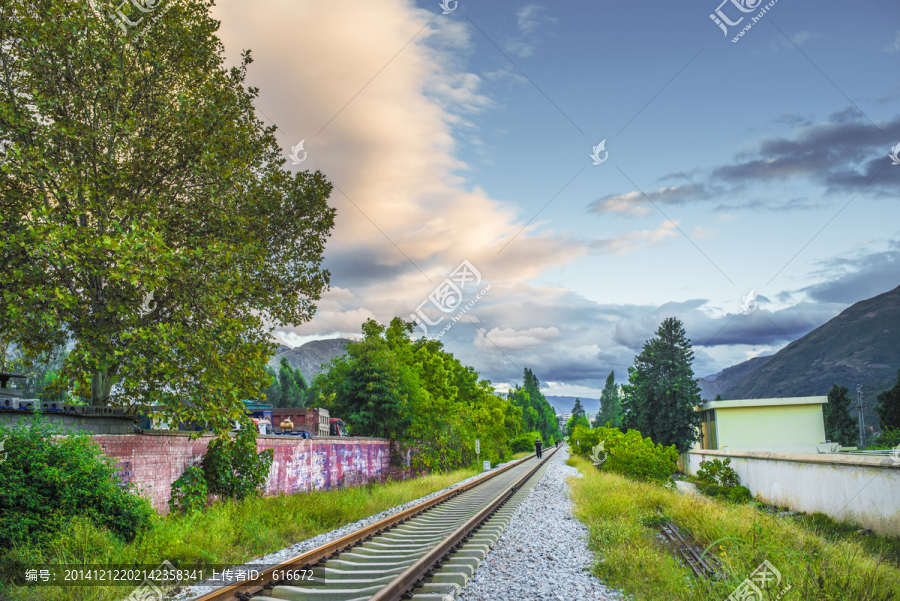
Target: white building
562,419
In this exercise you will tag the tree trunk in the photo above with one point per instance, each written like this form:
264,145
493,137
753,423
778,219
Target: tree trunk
101,385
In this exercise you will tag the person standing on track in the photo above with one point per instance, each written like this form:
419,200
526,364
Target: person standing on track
537,446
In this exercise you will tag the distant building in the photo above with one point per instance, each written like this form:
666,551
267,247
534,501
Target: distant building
562,419
791,424
315,421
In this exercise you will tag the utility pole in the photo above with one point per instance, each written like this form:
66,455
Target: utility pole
859,412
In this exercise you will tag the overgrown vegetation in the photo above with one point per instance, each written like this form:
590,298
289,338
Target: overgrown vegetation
718,472
717,478
623,516
232,467
524,442
889,439
630,454
414,392
228,532
189,492
49,480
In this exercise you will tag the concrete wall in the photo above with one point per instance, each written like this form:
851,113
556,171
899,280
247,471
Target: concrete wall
849,488
153,461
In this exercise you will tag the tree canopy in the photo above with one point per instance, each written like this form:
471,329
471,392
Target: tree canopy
888,407
578,420
288,387
610,405
416,393
145,210
537,413
661,392
578,408
840,426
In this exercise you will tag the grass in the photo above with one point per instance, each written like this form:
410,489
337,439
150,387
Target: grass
517,456
818,564
226,533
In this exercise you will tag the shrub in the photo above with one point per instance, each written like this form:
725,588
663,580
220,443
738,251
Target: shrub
630,453
717,479
718,472
189,492
232,466
524,442
889,439
51,476
735,494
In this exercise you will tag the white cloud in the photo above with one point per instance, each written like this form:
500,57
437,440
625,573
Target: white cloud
529,18
636,204
638,239
511,339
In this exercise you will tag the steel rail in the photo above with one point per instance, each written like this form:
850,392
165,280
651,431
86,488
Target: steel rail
405,582
242,591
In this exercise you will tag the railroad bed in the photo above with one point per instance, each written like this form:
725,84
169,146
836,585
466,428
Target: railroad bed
425,553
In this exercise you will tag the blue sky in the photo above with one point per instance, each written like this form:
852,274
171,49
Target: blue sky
446,134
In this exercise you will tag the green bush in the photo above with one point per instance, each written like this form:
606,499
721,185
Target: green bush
524,442
718,472
717,479
233,468
189,492
889,439
51,476
630,454
735,494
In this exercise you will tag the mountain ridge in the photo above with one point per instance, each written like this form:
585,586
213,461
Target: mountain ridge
309,357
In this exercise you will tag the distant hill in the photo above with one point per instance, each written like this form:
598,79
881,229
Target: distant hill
309,357
715,384
564,404
861,345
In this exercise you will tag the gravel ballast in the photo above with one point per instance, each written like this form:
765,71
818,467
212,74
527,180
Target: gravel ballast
311,543
542,555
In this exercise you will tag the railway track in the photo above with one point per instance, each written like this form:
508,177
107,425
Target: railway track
424,553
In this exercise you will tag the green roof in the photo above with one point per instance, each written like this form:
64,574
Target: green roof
257,405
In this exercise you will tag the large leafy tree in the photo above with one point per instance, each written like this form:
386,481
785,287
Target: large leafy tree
839,425
661,392
416,393
888,407
145,212
610,405
370,387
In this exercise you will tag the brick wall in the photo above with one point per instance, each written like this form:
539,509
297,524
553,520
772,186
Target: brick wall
153,461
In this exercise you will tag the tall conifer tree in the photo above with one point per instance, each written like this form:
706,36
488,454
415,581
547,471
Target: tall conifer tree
610,405
661,391
840,426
